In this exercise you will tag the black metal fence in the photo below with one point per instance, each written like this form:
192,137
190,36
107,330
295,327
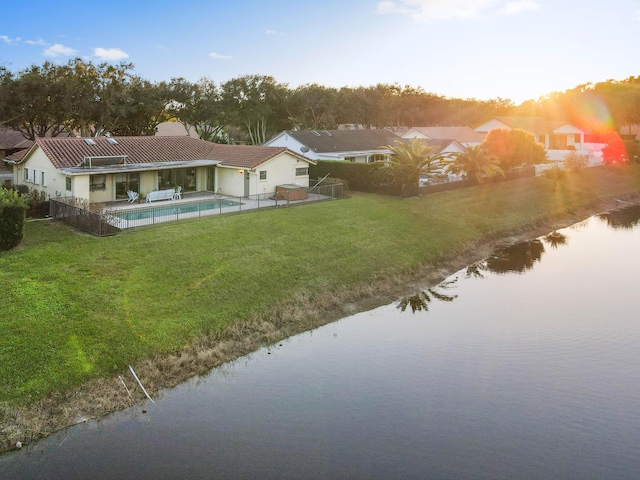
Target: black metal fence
524,172
110,220
73,212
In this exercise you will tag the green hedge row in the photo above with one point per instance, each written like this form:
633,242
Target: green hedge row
360,177
12,217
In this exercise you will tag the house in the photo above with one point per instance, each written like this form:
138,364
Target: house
463,135
558,137
103,169
175,129
360,146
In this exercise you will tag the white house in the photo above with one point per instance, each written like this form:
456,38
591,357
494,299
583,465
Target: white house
558,137
103,169
360,146
463,135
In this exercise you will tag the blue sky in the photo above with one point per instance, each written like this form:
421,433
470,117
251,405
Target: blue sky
516,49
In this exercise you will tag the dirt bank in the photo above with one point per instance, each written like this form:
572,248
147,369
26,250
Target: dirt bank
100,397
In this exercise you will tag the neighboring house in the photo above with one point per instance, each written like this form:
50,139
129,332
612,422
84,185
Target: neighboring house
360,146
558,137
175,129
12,141
463,135
102,169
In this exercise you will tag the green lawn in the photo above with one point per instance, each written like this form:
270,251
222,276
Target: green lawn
74,306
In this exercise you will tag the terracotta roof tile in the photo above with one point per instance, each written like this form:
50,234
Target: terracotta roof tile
70,152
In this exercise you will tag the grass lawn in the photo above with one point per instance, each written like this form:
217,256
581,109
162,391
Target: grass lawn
75,307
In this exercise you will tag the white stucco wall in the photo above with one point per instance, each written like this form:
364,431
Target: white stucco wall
280,170
54,180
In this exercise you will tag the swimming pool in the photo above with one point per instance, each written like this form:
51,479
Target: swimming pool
174,209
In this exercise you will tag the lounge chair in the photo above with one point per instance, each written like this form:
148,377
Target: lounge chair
133,196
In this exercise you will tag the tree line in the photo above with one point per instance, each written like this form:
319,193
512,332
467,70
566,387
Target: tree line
90,99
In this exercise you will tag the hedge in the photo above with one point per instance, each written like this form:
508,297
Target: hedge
12,218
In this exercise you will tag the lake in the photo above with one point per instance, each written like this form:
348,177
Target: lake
523,365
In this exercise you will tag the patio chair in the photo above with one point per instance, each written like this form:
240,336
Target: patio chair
133,196
178,194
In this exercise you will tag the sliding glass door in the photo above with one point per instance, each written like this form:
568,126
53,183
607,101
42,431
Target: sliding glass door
127,181
185,177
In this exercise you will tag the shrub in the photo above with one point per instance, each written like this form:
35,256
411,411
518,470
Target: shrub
37,204
575,161
12,217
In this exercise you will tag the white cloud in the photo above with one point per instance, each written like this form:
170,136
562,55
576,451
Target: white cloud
275,32
9,41
511,8
59,50
36,42
110,54
428,10
217,55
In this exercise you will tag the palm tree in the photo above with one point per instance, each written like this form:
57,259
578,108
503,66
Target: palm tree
411,160
474,163
555,173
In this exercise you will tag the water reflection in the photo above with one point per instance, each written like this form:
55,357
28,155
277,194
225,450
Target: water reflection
625,218
555,239
420,300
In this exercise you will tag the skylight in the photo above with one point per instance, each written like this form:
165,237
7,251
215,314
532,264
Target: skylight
112,141
89,141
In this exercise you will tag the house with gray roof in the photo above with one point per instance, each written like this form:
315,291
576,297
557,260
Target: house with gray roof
103,169
463,135
360,146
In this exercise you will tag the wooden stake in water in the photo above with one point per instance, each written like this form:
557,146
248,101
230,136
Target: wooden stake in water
140,383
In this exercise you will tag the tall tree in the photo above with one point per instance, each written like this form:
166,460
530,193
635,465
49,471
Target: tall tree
257,103
513,148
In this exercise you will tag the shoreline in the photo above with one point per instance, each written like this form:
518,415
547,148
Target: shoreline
100,397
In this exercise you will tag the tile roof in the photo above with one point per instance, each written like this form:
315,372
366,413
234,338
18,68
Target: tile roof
70,152
462,134
532,124
10,139
329,141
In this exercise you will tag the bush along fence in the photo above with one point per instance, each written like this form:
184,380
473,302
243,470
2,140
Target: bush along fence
103,220
12,218
365,177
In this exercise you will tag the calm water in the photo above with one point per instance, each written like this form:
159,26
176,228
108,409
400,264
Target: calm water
523,366
142,214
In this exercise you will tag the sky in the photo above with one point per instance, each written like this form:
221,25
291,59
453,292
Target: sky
483,49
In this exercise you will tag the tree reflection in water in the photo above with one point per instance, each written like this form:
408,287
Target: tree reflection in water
555,239
623,218
516,258
420,300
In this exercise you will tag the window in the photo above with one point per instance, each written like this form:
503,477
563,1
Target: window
97,182
302,172
43,180
26,175
127,181
185,177
576,138
376,157
557,142
263,174
67,182
350,159
36,177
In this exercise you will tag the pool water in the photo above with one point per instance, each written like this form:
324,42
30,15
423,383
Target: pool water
175,209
